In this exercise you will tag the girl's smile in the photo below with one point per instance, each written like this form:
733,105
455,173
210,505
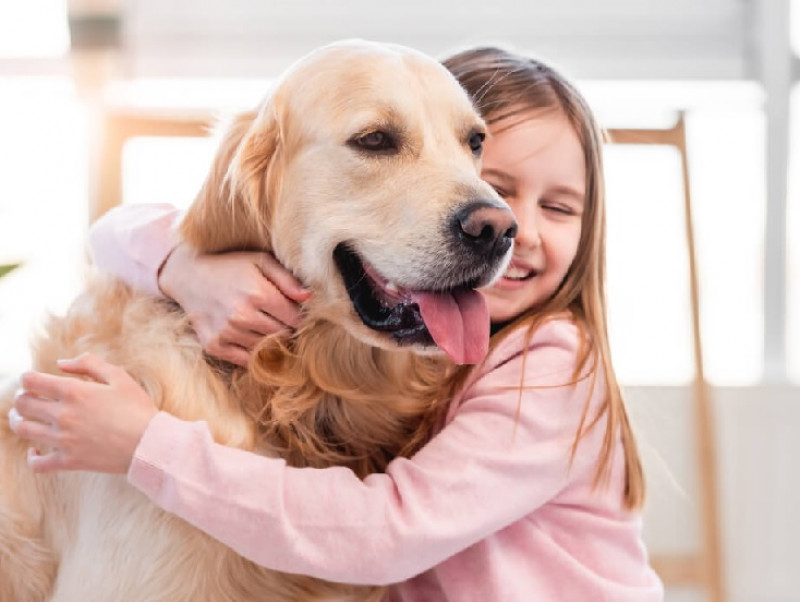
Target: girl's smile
516,275
535,161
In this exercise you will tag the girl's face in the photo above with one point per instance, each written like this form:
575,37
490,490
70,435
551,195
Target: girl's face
536,163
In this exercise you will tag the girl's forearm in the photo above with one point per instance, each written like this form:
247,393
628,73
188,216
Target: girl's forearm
323,523
500,458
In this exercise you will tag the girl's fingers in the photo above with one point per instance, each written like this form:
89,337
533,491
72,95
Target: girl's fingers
49,386
14,418
88,364
264,323
37,432
283,314
282,278
275,305
30,407
234,354
256,323
246,340
48,462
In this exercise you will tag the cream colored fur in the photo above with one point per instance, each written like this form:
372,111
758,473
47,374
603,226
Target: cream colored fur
284,180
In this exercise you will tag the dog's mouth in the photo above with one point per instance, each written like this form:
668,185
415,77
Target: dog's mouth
454,319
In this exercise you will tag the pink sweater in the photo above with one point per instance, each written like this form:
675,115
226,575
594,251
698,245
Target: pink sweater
488,510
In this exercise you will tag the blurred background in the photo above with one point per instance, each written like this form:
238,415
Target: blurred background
107,101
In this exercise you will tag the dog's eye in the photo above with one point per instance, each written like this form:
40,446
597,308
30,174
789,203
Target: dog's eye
476,142
375,141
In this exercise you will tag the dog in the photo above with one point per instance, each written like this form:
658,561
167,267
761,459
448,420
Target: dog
360,173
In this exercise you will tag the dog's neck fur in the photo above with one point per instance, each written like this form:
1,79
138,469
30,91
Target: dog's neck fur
324,398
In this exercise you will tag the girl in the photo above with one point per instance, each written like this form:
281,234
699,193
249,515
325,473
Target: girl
531,488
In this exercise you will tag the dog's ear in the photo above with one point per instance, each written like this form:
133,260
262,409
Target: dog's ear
231,212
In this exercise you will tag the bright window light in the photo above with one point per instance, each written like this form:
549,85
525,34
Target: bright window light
165,170
649,304
43,212
36,28
648,285
726,154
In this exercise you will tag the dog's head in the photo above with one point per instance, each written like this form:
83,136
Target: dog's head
360,173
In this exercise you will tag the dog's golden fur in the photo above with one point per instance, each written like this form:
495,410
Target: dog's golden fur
284,180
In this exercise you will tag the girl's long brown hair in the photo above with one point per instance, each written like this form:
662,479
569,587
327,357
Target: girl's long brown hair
503,85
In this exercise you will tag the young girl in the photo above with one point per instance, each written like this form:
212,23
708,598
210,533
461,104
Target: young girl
531,488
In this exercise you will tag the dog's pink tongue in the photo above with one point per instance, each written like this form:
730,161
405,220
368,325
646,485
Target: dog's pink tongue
458,323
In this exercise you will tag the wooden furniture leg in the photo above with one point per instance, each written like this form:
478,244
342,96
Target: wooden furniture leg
703,569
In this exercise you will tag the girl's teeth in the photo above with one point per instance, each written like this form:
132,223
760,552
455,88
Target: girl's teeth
516,273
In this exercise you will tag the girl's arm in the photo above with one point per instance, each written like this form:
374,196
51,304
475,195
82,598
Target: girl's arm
232,299
499,458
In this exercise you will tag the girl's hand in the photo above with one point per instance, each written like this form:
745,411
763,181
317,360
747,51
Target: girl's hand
232,299
88,425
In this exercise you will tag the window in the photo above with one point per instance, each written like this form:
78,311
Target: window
649,304
165,170
33,29
43,212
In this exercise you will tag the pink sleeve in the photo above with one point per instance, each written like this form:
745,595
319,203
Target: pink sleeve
499,458
132,242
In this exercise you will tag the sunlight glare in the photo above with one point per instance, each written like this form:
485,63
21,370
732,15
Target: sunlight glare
33,29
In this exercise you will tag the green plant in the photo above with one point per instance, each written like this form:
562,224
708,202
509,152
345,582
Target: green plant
7,268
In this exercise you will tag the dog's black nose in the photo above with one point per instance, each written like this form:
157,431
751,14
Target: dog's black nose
485,228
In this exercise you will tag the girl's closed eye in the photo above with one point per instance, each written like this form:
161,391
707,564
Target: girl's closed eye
557,208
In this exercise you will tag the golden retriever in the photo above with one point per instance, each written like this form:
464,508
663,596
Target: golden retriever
360,172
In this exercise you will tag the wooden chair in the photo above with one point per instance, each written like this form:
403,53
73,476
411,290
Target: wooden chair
704,568
120,125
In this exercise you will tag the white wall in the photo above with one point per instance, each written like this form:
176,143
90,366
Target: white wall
648,39
758,446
